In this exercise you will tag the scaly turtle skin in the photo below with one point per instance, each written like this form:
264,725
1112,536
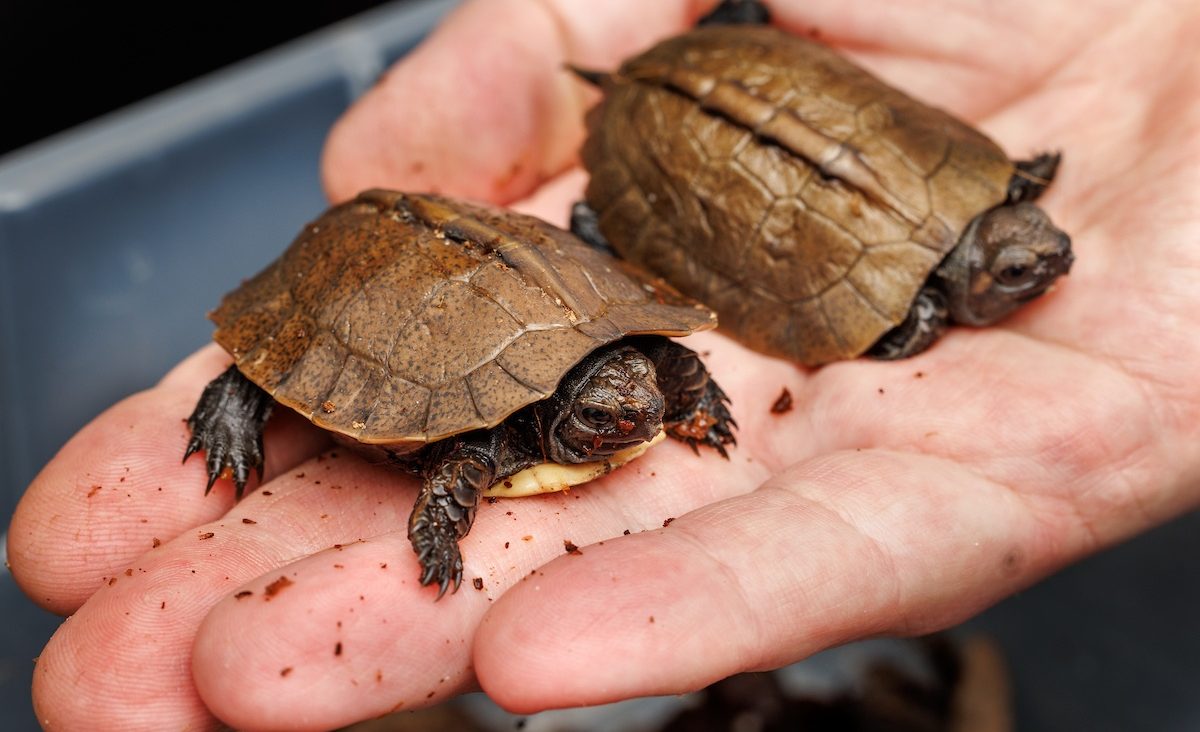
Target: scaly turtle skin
821,212
463,343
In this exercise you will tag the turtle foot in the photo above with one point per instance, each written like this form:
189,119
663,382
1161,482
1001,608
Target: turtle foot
445,510
585,224
227,425
738,12
1032,177
710,423
926,321
435,541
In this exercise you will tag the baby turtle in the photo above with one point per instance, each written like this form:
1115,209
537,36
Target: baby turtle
823,213
463,343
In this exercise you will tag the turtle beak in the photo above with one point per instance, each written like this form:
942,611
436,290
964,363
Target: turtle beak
1063,257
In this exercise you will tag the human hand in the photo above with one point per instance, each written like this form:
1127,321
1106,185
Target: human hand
895,498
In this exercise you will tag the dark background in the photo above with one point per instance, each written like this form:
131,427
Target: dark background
64,63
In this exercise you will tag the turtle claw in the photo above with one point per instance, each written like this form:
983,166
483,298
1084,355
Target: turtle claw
194,446
227,425
435,542
440,560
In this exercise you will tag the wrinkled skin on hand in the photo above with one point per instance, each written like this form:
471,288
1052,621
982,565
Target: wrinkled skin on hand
894,498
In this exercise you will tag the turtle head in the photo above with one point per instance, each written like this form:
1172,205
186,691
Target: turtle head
1007,256
607,403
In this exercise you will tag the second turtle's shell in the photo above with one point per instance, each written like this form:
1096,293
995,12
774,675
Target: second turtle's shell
801,197
402,319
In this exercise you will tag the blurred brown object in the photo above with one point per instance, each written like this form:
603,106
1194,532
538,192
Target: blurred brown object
968,691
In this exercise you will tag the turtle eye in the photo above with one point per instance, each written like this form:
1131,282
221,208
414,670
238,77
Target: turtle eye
1015,267
1013,274
595,417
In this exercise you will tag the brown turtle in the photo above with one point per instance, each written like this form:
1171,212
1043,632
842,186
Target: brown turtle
465,344
823,213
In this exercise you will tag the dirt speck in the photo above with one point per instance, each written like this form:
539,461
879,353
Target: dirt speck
337,649
881,390
919,375
95,489
1012,563
477,583
207,535
285,671
527,537
651,618
570,548
328,407
668,522
276,587
783,404
249,521
626,532
242,595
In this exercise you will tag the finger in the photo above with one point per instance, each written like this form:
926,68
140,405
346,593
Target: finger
118,487
841,547
552,201
123,660
484,108
338,645
967,64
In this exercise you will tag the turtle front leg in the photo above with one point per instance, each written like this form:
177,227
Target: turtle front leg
1033,177
738,12
227,424
926,322
697,409
585,224
445,509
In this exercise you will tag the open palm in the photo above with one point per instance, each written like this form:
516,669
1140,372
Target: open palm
894,498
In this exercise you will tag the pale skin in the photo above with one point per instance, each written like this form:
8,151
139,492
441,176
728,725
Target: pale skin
897,497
